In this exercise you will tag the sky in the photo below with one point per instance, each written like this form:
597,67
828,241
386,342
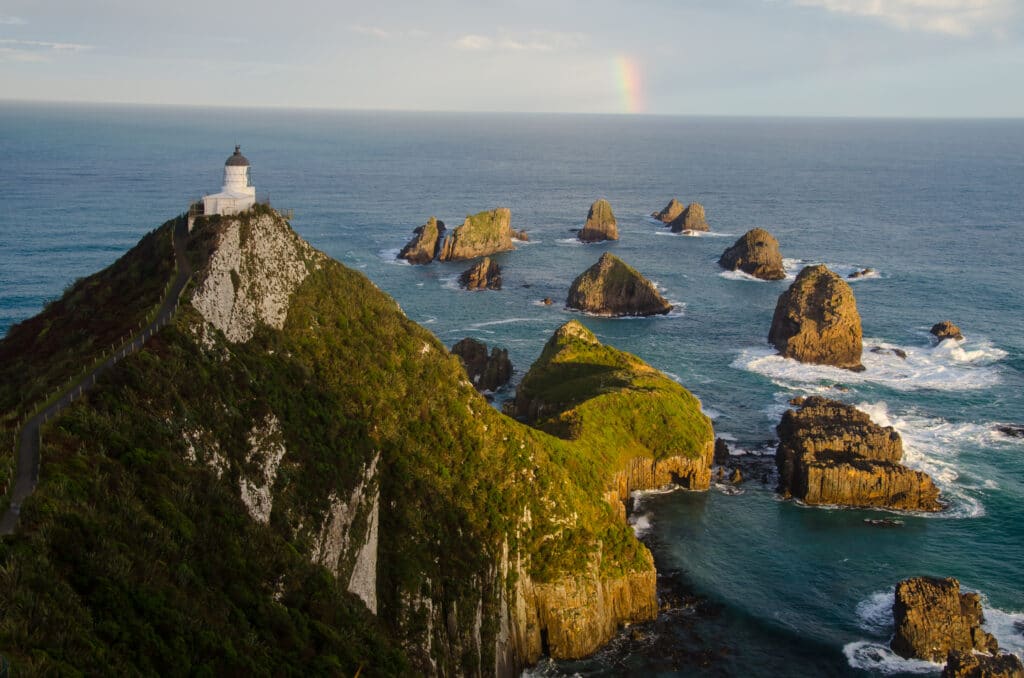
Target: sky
902,58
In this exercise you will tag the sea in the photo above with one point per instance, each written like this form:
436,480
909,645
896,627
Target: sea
934,207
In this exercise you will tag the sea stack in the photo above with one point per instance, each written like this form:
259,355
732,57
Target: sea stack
832,454
484,275
425,245
672,210
480,235
486,372
816,321
756,253
947,330
612,287
933,618
691,219
601,224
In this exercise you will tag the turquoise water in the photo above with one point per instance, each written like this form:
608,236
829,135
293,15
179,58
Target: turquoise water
935,207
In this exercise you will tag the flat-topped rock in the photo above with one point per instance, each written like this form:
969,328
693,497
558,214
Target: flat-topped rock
691,219
932,618
832,454
946,330
756,253
484,275
614,288
601,224
425,244
480,235
816,321
671,212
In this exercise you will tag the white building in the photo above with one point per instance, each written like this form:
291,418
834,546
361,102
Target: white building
236,195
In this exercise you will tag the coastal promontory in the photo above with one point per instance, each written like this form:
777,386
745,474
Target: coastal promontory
756,253
480,235
816,321
831,453
612,287
600,224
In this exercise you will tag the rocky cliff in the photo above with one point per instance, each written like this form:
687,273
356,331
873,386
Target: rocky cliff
246,495
484,275
691,219
425,244
670,213
816,321
968,664
488,372
932,618
831,453
479,235
600,224
612,287
756,253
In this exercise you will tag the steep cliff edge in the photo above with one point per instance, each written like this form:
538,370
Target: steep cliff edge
293,474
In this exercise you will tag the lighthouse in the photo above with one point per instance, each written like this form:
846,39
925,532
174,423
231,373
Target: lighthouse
237,194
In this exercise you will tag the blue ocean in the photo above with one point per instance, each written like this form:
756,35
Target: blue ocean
933,207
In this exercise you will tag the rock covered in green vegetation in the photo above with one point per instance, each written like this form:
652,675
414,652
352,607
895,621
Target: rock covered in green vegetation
932,618
613,287
691,219
600,224
947,330
831,453
670,213
816,321
756,253
484,275
487,372
649,430
425,245
479,235
245,494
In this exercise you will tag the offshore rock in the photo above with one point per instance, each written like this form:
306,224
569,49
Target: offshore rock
672,210
691,219
480,235
756,253
425,244
485,275
612,287
816,321
932,617
522,236
862,273
487,372
831,453
963,664
947,330
601,224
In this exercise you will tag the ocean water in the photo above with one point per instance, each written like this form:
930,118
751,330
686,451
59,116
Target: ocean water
935,207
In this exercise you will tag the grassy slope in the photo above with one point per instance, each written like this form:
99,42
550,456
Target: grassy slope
132,559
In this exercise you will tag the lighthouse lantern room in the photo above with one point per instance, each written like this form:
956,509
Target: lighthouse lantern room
236,195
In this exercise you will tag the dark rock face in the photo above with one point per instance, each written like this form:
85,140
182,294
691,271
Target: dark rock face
755,253
961,664
480,235
861,273
672,210
1014,431
831,453
487,372
816,321
898,352
946,330
601,224
485,275
547,301
425,245
692,219
612,287
721,451
932,618
522,236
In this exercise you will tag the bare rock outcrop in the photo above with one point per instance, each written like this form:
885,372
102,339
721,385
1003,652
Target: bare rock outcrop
691,219
487,372
601,224
816,321
966,664
425,244
932,618
485,275
946,330
756,253
831,453
672,210
480,235
612,287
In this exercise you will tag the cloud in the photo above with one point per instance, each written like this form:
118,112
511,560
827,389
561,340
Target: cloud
12,21
383,34
534,41
36,51
961,18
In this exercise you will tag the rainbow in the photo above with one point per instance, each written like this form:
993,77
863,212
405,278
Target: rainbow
627,78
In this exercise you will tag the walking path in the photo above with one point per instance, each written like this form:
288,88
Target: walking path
27,475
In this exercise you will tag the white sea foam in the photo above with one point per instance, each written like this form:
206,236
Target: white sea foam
710,413
390,256
641,523
742,275
506,321
694,234
794,266
727,437
570,241
946,367
728,489
1007,627
878,658
874,614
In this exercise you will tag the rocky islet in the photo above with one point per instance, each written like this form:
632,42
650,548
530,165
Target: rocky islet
611,287
756,253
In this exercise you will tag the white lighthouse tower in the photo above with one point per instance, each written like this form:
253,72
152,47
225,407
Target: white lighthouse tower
237,194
